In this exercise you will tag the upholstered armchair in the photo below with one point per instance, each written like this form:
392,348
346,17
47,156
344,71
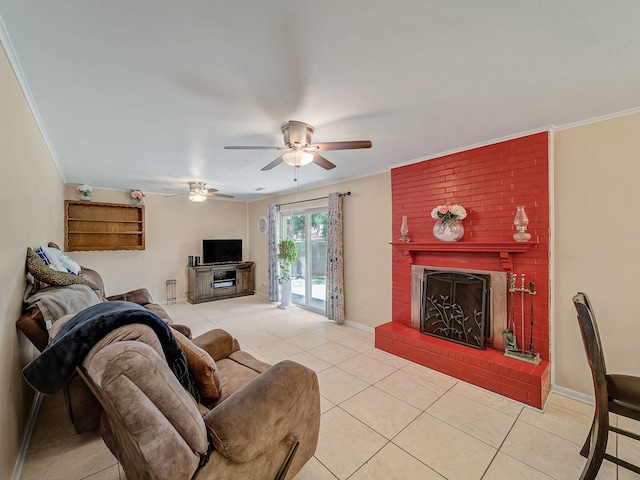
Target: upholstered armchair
253,421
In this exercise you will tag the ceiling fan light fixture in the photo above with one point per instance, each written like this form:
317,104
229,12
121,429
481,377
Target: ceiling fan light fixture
297,158
197,197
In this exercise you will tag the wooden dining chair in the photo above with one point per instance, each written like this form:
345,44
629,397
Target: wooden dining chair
619,394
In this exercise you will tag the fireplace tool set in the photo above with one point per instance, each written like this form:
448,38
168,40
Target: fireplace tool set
509,335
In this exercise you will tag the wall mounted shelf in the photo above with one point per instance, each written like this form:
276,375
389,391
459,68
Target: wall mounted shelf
503,247
103,226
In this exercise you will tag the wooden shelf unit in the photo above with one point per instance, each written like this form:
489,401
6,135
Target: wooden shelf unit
215,282
103,226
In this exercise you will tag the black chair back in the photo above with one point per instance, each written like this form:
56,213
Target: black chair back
595,356
590,338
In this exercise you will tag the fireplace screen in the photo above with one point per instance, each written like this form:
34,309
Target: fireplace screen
455,307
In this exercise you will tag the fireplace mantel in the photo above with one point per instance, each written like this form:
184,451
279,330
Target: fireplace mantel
503,247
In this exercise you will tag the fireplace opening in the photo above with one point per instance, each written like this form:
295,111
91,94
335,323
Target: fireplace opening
456,306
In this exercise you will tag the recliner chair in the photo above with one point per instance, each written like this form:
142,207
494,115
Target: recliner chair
264,425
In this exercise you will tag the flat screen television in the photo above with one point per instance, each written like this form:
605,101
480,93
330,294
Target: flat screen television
221,251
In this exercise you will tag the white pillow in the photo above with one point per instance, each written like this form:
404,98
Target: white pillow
70,263
53,256
60,261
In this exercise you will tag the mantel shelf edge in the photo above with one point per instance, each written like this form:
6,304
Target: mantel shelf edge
503,247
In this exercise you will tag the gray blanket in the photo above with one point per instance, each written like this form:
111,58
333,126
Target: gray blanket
48,372
54,302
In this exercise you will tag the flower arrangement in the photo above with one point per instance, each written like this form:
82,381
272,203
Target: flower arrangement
84,191
448,213
137,195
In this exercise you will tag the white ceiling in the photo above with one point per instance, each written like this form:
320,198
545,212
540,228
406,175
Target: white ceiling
146,93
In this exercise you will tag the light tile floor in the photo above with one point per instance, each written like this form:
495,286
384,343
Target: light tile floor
382,416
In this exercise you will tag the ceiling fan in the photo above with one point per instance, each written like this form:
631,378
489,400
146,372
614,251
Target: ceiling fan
199,193
299,149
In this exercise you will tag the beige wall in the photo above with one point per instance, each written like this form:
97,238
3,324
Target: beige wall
174,229
31,213
597,177
367,253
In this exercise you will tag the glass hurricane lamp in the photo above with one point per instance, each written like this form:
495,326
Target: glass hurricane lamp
404,230
521,221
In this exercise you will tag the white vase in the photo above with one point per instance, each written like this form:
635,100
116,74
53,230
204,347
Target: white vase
449,231
285,295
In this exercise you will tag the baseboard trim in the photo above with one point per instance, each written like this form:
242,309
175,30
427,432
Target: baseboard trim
262,294
360,326
178,300
572,394
26,440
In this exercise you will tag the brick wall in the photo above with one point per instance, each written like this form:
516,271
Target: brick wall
489,182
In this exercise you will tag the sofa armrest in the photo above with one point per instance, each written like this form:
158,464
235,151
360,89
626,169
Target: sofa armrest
283,401
34,329
141,296
217,343
183,329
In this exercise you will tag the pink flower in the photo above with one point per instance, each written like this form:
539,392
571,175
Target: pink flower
137,194
447,213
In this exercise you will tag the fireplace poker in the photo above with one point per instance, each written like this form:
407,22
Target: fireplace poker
509,336
520,353
522,307
532,292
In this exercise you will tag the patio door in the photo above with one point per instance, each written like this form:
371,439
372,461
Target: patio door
308,228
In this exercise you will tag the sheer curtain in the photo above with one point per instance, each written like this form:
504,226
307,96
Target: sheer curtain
335,267
274,238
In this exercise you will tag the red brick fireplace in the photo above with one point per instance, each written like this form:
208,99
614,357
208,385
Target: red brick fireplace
489,182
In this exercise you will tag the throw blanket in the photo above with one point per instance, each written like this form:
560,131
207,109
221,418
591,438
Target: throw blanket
49,372
54,302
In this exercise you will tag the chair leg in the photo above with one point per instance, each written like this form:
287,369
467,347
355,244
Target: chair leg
618,461
596,446
587,443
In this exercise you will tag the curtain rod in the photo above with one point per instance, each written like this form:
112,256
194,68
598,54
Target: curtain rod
345,194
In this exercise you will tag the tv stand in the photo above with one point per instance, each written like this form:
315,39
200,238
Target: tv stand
215,282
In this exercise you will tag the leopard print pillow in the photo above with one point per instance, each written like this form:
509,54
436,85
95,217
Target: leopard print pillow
42,272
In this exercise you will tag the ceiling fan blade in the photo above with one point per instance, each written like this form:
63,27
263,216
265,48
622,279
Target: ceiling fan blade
209,190
172,193
239,147
325,146
222,195
275,163
322,162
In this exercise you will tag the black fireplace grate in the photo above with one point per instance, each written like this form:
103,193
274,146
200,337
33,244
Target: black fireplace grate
455,307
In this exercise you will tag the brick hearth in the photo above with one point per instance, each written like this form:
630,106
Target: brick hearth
488,368
489,182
